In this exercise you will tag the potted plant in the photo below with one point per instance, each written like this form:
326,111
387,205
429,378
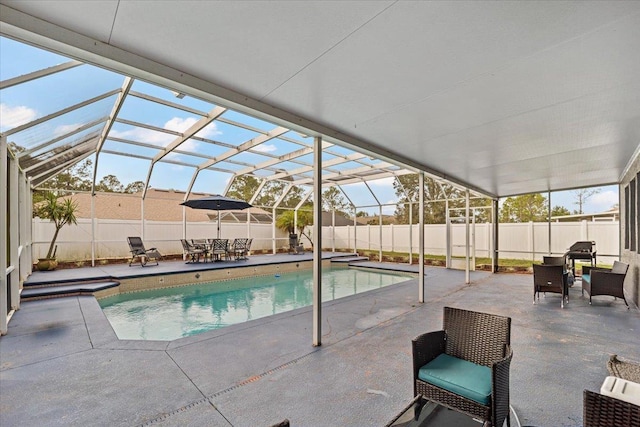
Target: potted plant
61,213
286,222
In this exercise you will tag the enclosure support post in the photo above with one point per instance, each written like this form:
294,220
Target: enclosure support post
549,220
421,238
273,231
380,231
93,230
4,221
447,221
317,247
410,233
14,223
467,278
494,254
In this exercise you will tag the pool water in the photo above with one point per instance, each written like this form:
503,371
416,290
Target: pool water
171,313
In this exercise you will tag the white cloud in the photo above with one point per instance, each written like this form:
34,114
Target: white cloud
11,117
603,201
266,148
176,124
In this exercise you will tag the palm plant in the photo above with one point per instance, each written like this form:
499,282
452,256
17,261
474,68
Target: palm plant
286,221
61,213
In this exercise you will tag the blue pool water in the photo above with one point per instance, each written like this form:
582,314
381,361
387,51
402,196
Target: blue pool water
171,313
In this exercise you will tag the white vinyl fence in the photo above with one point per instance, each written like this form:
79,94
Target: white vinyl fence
521,241
74,242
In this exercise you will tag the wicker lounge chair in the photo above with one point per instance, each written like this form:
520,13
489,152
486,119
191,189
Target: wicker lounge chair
137,249
191,251
550,278
605,411
468,336
603,281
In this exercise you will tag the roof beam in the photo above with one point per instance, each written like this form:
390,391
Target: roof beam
350,172
61,137
60,112
5,84
124,90
245,146
328,163
90,141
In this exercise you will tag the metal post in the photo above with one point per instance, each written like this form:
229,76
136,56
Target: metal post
14,223
317,247
467,278
355,227
494,255
4,222
410,233
333,230
421,238
273,230
93,229
448,233
380,231
549,219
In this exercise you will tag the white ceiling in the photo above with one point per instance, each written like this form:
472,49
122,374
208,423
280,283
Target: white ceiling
507,97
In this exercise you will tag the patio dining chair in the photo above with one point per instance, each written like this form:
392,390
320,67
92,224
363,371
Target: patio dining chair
240,248
202,244
219,248
137,249
191,251
465,366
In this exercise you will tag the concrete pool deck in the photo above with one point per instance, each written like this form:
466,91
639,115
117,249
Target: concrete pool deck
61,363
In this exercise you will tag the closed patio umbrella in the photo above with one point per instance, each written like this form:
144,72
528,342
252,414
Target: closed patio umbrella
217,203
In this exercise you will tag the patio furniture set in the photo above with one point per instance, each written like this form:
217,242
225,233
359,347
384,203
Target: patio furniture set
216,249
556,275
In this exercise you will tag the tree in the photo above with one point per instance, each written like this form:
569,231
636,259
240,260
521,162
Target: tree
362,214
61,213
560,211
134,187
243,187
582,195
286,221
333,199
110,184
435,194
525,208
293,198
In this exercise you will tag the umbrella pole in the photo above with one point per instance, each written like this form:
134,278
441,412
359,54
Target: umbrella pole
218,224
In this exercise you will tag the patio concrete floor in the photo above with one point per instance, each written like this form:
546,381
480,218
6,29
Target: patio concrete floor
62,365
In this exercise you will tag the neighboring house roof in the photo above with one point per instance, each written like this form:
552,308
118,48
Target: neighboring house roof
159,205
610,215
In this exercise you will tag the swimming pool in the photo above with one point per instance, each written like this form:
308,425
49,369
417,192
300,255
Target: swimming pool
171,313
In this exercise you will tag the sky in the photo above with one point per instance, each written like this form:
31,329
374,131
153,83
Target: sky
23,103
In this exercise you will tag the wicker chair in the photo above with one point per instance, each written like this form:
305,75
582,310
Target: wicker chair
603,281
550,278
481,338
605,411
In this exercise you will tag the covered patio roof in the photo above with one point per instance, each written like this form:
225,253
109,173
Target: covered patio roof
502,98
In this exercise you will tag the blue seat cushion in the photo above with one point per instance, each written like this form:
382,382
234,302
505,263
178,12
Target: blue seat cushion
459,376
586,278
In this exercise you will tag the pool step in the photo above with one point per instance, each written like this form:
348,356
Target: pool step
42,291
349,259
